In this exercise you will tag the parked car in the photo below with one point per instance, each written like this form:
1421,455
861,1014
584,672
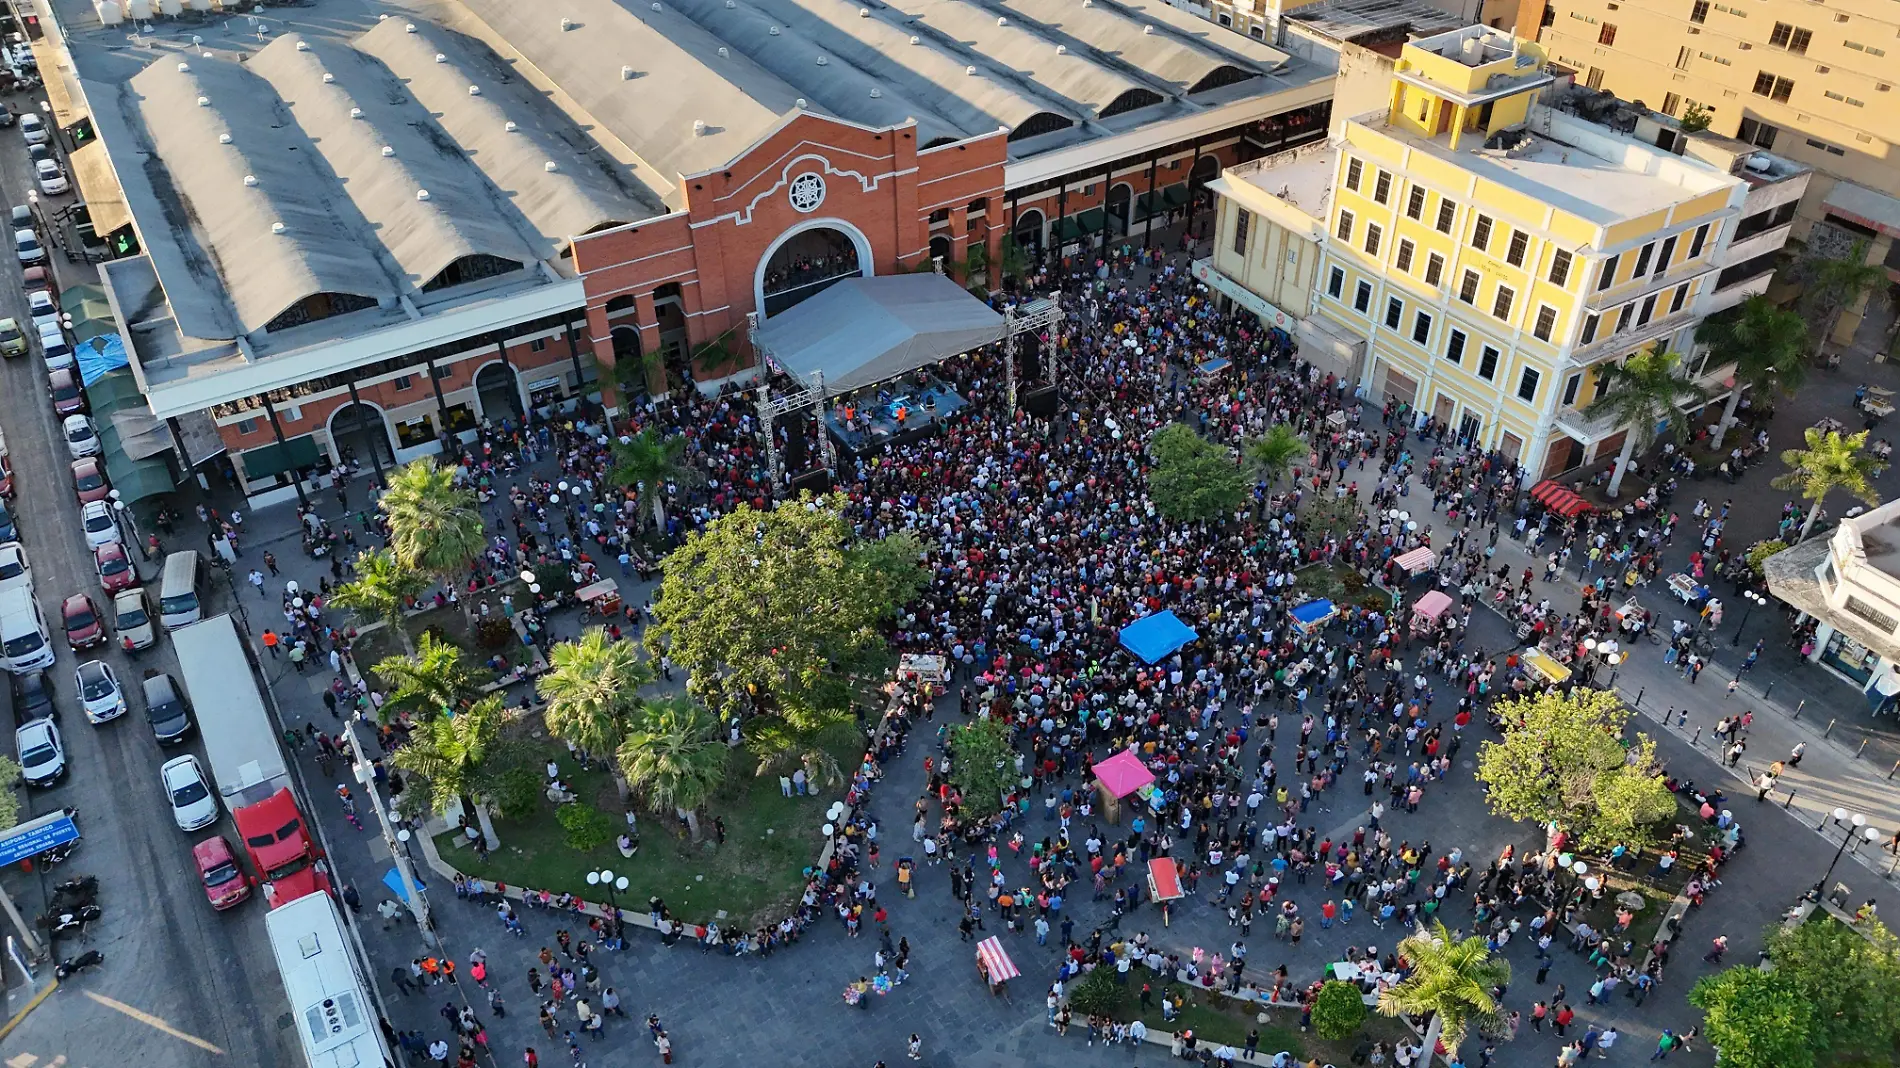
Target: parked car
193,804
57,351
84,628
42,753
115,568
52,180
35,278
33,697
166,708
68,398
33,130
9,531
89,480
99,692
82,438
12,339
44,308
15,569
132,618
6,469
26,244
223,876
102,526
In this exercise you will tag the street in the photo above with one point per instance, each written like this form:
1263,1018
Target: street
181,984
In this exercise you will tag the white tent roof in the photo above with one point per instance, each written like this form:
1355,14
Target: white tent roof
867,330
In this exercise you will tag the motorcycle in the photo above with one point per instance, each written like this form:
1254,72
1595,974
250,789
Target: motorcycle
91,958
70,920
57,854
82,885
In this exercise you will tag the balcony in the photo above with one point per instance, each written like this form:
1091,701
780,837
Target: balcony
1636,288
1755,246
1744,286
1635,337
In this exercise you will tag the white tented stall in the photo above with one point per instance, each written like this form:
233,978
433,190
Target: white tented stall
109,12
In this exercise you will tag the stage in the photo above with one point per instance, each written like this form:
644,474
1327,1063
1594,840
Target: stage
875,420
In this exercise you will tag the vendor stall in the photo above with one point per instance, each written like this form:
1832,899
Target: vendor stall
1313,615
923,667
1155,637
1164,884
1687,589
1416,562
1433,605
994,965
1544,666
1118,777
601,598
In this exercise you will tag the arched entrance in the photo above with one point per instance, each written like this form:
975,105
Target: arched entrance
1028,232
628,353
940,248
499,390
358,430
808,259
1120,208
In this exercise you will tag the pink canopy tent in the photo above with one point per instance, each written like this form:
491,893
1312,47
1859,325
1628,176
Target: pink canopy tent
1432,605
1123,774
1417,560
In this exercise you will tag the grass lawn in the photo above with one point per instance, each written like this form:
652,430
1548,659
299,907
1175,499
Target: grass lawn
754,876
1341,584
1657,891
447,623
1215,1018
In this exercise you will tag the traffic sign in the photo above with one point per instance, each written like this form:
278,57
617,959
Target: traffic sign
34,837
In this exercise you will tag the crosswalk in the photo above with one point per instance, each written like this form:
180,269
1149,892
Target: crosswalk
29,1060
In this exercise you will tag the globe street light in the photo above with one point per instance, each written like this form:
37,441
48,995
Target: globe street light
604,878
1613,659
1753,600
1857,826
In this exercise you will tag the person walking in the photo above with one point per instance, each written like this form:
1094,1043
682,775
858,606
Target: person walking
916,1047
1665,1044
1716,949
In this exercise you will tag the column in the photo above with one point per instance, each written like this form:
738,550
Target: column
277,431
375,450
1148,228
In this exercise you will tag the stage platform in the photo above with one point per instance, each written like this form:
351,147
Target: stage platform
925,409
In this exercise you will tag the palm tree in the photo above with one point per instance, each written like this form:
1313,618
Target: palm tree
1835,285
1831,461
1641,395
435,526
649,462
451,753
1273,453
592,687
1767,343
427,683
381,590
1451,980
674,756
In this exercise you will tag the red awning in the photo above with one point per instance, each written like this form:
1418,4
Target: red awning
996,963
1555,497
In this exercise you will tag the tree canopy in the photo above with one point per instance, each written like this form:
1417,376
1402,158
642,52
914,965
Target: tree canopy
1562,760
381,590
1833,996
673,756
1451,979
435,526
1273,453
1193,479
982,764
773,613
1758,1019
648,461
426,683
1831,460
1644,395
454,755
592,688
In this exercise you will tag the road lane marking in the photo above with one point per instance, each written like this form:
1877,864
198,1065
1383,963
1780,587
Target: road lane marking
153,1022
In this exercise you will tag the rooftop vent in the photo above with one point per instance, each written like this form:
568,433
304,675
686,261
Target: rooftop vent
656,7
1000,21
510,126
276,228
184,68
864,12
388,151
626,73
1062,50
304,46
408,27
250,179
730,4
328,78
1147,31
422,194
356,113
441,58
916,39
550,166
224,139
876,92
822,61
773,30
801,103
474,90
204,101
699,127
970,70
724,52
566,23
384,17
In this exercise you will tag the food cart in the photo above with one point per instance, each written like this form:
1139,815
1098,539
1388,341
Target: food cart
1164,884
1417,562
1878,402
601,598
1544,666
924,667
1119,776
994,965
1686,589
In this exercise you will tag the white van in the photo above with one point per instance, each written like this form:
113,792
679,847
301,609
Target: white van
24,643
178,595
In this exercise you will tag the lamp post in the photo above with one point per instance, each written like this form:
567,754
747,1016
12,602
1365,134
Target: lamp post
124,513
1754,599
1857,827
1613,659
397,839
604,878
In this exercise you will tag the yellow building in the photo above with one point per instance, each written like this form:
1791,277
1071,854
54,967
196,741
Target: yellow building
1491,246
1814,83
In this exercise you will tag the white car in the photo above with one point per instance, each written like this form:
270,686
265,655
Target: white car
15,571
33,130
99,692
54,349
102,527
45,311
42,754
52,181
26,245
193,804
82,439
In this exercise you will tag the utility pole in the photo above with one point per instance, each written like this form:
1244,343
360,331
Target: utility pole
398,849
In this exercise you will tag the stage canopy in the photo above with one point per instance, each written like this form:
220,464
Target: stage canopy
1156,636
1123,773
867,330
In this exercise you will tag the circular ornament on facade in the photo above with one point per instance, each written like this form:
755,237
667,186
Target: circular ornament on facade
808,192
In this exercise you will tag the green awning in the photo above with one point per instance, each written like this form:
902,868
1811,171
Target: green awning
268,461
85,302
1090,221
1067,230
1175,196
136,479
114,391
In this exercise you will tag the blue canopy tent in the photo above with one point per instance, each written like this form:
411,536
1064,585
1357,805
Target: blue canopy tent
1313,615
1153,637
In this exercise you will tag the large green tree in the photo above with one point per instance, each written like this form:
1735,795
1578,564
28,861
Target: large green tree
426,683
1847,980
1769,345
382,590
1643,395
435,526
1832,460
1451,979
1192,479
773,614
592,687
1755,1019
1272,454
648,462
1833,284
457,757
982,764
1562,760
673,756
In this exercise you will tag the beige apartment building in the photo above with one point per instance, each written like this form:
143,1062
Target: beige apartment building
1812,81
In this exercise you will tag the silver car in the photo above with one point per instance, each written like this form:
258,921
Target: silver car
99,692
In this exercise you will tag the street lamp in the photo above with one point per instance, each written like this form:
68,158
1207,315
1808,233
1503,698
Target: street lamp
604,878
527,575
1613,660
1753,600
396,838
1857,826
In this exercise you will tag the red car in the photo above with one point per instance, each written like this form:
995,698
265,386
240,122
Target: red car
224,880
89,480
115,568
83,626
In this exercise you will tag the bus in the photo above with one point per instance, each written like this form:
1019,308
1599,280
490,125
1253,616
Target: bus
246,761
329,991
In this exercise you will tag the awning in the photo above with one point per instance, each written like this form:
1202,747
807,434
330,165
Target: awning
1555,497
1417,560
1542,664
1432,605
1862,205
99,188
1123,773
995,960
267,461
863,331
99,356
143,434
137,471
1174,196
1207,274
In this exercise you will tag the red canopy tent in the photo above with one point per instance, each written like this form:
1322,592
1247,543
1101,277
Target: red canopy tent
993,963
1554,496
